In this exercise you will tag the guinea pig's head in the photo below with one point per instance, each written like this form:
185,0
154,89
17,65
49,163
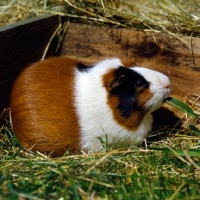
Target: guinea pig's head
135,92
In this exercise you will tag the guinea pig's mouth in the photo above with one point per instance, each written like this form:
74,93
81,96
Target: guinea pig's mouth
167,99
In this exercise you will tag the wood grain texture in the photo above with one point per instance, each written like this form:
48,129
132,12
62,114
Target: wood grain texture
22,44
177,58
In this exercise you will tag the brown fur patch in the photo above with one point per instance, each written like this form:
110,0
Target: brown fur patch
128,63
113,101
42,107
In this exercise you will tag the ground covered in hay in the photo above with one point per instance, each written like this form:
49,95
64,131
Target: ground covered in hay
160,171
165,168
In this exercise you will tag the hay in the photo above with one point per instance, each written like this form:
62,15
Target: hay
37,176
173,17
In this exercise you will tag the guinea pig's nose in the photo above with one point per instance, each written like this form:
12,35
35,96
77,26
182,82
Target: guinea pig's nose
167,89
165,82
167,86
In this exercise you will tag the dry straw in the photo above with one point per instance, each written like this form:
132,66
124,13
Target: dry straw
172,17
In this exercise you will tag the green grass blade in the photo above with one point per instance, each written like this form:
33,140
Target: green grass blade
190,152
194,129
181,106
71,182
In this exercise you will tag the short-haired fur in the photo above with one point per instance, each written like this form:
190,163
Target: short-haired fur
60,104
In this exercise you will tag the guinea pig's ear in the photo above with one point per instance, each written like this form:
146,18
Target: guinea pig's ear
116,86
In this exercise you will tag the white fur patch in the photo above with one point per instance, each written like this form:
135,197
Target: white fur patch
95,116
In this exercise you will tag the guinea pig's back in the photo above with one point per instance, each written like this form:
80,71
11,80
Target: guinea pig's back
42,106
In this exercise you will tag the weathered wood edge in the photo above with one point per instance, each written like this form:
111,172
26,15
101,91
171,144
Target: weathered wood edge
26,21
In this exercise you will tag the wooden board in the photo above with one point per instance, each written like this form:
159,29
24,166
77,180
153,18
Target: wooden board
178,58
24,43
20,45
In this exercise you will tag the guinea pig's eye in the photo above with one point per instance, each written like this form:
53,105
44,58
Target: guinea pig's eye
139,83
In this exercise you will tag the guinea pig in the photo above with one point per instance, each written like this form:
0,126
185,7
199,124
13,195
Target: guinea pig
60,104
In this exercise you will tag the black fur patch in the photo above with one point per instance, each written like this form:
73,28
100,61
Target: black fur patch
83,68
128,89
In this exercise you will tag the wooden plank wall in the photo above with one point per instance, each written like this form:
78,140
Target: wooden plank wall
20,45
23,43
178,58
